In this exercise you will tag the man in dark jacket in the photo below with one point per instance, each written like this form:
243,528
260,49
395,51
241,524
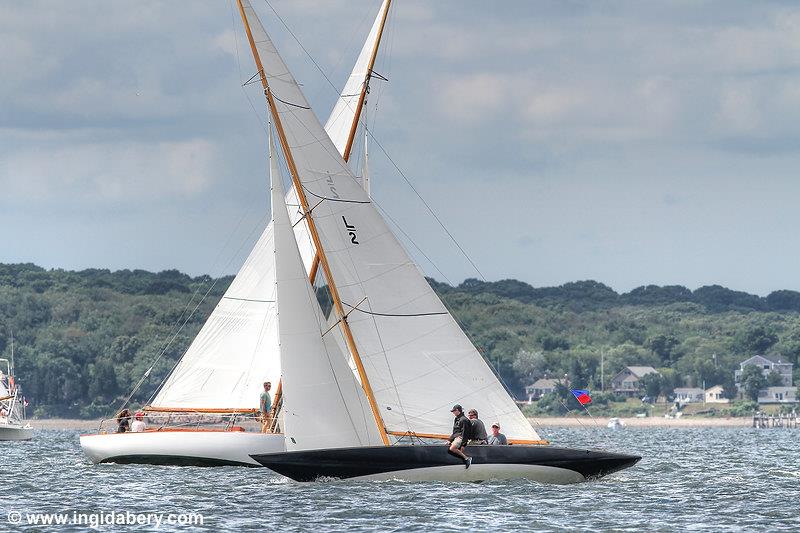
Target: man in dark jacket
478,435
461,434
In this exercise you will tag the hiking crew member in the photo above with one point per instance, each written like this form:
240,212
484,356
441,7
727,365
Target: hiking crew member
497,438
461,434
478,435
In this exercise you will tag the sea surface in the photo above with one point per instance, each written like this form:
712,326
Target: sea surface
690,479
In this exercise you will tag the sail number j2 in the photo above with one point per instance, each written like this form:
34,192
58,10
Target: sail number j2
351,230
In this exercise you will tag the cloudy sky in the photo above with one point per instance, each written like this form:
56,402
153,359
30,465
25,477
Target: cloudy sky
627,142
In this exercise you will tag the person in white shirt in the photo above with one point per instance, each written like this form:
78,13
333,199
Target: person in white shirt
497,438
139,424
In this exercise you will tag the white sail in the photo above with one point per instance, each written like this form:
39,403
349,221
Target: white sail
323,406
340,123
236,351
418,360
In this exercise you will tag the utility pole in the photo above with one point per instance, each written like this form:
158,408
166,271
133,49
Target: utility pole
602,370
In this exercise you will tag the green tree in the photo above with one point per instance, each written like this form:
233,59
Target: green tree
758,339
652,384
752,381
663,346
774,379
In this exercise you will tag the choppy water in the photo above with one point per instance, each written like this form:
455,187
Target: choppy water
690,479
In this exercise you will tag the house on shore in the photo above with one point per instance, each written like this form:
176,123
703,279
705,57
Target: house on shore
784,393
627,381
767,365
689,395
777,395
715,395
540,387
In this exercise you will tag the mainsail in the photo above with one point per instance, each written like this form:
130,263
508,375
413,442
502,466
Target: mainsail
417,359
236,349
326,407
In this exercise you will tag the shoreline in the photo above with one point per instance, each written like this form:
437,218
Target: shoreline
650,422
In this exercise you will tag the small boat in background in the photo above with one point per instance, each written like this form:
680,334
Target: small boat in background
615,423
12,405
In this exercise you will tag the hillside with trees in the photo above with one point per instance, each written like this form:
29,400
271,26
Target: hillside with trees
84,339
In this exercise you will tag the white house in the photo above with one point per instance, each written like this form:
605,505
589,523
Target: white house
714,395
778,395
689,395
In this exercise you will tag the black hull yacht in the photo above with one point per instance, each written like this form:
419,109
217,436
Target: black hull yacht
546,464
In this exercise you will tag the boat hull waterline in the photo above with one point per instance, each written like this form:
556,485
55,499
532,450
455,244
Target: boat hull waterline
433,463
13,432
181,448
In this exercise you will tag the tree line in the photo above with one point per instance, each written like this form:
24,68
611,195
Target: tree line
84,338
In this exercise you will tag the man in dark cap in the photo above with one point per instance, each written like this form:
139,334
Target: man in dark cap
461,433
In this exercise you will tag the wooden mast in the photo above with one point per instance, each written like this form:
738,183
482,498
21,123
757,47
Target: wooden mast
323,260
354,126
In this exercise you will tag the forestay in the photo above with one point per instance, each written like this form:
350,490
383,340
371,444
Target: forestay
418,360
323,406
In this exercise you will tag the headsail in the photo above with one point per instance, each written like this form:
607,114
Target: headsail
417,359
323,407
344,119
237,348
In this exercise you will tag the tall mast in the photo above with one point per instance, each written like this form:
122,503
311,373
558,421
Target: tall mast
365,86
323,260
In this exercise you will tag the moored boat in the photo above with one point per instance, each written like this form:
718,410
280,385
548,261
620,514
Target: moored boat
13,424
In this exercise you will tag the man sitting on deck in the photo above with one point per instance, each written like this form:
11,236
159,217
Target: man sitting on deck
497,438
461,433
139,424
478,435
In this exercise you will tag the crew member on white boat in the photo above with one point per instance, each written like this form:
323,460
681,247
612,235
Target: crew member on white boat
138,424
265,403
497,438
460,436
478,429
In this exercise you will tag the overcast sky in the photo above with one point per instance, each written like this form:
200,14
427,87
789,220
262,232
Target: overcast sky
627,142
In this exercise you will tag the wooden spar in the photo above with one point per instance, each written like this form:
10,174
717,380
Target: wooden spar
312,274
323,260
222,410
354,126
447,437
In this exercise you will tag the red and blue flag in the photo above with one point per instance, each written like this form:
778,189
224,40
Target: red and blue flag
582,396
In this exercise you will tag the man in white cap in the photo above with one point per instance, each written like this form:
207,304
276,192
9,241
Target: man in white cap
497,438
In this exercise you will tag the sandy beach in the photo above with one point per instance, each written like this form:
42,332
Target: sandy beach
683,422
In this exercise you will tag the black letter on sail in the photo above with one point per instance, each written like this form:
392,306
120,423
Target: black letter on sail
351,230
